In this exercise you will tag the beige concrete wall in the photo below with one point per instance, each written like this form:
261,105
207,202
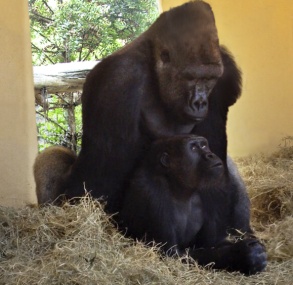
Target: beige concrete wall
260,35
18,137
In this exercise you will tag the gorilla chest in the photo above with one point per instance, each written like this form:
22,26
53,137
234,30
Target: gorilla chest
188,220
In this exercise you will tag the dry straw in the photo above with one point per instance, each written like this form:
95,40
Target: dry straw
78,244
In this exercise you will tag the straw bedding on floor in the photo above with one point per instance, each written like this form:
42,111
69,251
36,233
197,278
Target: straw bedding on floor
78,244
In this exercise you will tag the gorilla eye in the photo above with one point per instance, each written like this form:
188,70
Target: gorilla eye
203,145
211,82
189,76
165,56
194,147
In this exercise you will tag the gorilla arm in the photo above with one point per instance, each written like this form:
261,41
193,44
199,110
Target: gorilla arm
241,211
247,256
241,250
225,93
111,142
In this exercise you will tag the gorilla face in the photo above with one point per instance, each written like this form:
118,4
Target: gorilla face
188,64
207,163
188,161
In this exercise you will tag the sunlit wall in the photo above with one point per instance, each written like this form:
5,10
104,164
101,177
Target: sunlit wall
18,136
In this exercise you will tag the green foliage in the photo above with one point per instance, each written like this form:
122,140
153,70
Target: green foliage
53,125
79,30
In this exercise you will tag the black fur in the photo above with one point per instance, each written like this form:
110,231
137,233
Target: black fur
191,203
140,93
225,94
174,79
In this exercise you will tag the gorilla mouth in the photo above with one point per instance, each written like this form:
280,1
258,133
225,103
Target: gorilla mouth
218,164
195,116
199,119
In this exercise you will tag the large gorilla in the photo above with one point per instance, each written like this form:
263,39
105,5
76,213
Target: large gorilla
173,79
182,198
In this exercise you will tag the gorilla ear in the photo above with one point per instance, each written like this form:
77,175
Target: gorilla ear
164,159
165,56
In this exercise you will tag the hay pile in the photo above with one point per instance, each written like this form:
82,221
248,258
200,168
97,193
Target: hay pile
79,245
269,180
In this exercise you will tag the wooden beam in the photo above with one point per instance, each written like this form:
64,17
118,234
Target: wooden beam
62,77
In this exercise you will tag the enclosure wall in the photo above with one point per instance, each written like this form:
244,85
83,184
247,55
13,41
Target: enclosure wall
260,35
18,137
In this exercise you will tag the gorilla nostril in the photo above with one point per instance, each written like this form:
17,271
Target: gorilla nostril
210,155
200,104
197,105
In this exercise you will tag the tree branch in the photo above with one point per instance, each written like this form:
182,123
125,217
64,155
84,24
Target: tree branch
40,50
40,18
50,120
46,4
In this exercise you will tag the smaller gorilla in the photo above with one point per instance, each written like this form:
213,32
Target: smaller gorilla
51,168
182,198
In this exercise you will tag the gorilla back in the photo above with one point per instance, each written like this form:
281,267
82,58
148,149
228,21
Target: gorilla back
51,168
164,83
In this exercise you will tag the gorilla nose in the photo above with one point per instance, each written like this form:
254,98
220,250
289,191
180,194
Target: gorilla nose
200,104
210,156
213,160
